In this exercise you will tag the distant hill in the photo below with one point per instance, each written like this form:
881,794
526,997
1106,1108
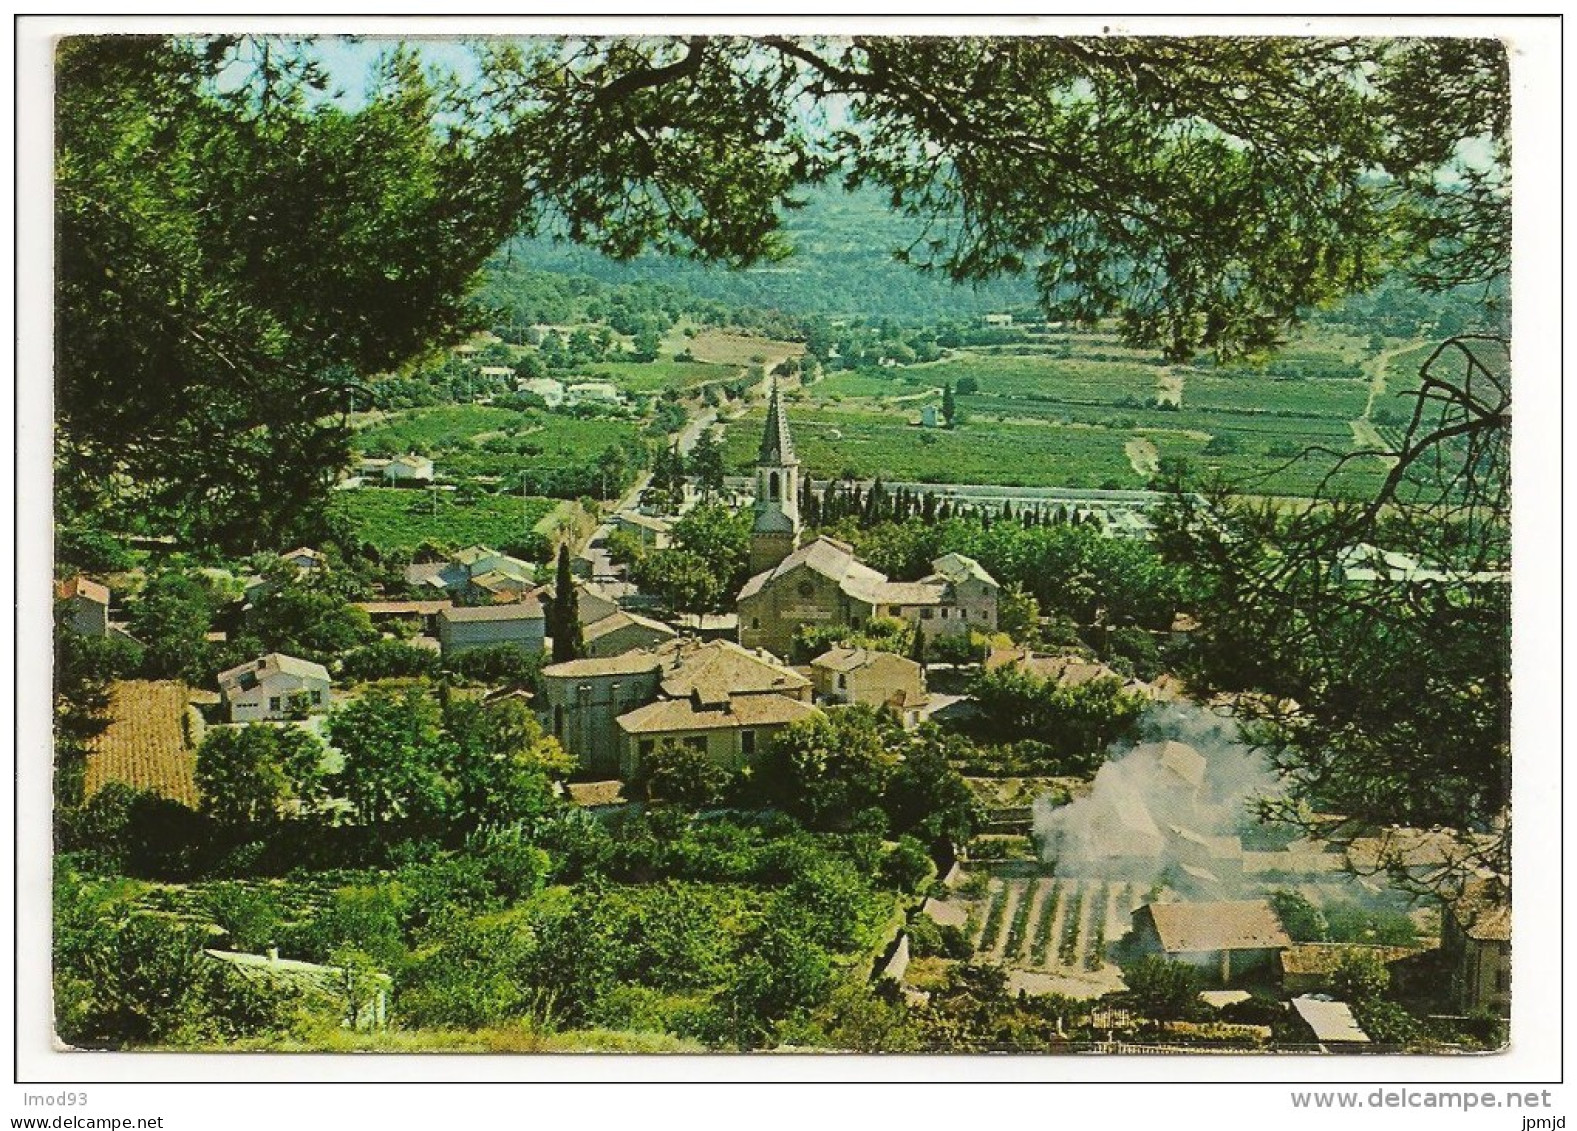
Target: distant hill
843,266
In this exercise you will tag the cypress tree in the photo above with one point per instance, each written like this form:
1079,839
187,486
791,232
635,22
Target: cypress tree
568,642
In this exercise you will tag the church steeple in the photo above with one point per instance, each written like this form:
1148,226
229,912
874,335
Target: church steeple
777,528
777,446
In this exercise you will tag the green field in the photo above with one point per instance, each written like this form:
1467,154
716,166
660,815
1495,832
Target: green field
832,444
1074,379
1342,400
1060,411
394,519
470,440
882,383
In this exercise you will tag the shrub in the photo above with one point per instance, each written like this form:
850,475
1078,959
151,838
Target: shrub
389,659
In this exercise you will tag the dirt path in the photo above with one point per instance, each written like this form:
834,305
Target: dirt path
1169,387
1143,456
1382,361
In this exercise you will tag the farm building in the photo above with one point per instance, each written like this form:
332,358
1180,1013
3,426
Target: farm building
877,679
275,686
1227,940
150,742
409,471
592,392
463,629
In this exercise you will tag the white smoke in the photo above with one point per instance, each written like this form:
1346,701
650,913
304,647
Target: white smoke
1169,810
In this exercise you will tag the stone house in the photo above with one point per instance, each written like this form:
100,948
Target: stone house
716,697
1307,968
463,629
1226,940
731,729
586,701
877,679
275,686
1475,939
583,699
621,632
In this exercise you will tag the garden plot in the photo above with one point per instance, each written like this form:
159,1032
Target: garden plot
1054,926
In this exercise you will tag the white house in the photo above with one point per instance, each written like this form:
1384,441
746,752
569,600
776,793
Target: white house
273,687
411,469
551,391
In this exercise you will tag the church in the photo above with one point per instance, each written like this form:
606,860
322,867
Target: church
823,583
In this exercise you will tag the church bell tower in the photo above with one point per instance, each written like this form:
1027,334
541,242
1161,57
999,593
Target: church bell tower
777,529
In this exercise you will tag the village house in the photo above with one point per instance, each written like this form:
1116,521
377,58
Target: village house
419,617
595,600
409,471
653,533
621,632
86,606
1308,968
1226,940
304,560
1062,669
731,729
708,693
1475,939
275,686
718,698
466,628
876,679
477,575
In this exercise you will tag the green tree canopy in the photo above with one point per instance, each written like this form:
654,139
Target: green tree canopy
396,756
